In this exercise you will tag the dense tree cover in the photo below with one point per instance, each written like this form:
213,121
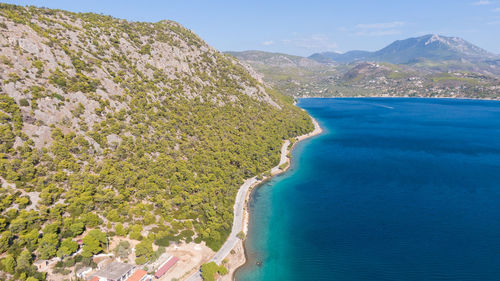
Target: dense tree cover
182,145
208,271
143,251
68,246
93,243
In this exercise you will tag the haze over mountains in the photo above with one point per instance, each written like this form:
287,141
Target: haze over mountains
426,66
427,47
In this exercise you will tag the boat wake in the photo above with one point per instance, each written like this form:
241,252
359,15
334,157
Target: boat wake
381,105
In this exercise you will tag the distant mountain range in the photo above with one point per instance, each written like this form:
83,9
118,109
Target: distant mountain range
427,66
429,47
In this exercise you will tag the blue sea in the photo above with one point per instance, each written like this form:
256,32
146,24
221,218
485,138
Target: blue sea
394,189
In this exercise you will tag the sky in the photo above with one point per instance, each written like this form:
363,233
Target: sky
306,27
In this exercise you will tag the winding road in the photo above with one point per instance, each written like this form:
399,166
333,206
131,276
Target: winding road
239,205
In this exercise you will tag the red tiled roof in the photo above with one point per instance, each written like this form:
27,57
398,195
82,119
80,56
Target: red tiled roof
137,276
95,278
163,269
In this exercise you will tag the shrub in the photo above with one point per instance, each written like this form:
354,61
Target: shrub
24,102
208,271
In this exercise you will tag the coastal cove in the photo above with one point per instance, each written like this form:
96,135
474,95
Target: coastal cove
394,189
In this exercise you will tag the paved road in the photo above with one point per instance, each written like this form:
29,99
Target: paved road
239,205
195,276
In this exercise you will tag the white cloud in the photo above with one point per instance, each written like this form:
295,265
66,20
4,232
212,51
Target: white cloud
378,32
482,3
268,43
376,29
312,42
382,25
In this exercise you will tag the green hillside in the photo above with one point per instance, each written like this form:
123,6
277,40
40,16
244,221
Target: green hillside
128,128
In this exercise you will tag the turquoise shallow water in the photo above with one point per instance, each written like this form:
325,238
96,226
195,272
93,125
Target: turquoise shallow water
395,189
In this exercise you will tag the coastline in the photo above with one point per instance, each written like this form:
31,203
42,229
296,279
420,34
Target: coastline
395,97
237,258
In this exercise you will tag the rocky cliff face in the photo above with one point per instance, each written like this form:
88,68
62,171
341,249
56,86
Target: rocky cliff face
94,60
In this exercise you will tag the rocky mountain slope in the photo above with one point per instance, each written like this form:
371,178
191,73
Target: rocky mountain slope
276,59
128,128
282,71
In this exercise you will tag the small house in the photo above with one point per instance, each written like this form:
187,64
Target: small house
139,275
82,272
166,266
41,265
115,271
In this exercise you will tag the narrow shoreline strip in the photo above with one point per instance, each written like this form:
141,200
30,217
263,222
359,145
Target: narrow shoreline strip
284,159
241,214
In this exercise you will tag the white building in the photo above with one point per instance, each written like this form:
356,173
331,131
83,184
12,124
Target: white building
115,271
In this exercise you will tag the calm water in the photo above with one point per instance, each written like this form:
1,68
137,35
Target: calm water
395,189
